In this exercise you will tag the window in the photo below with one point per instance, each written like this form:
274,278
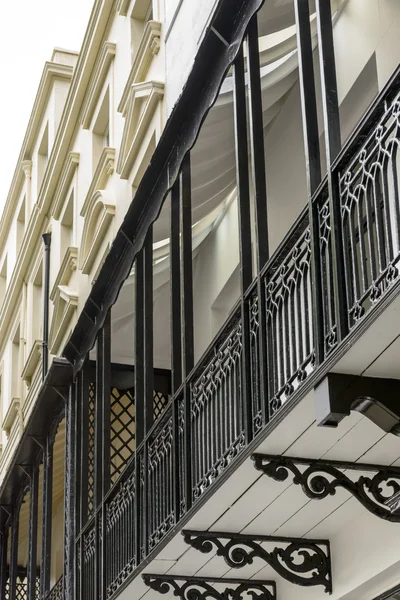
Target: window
21,225
37,304
42,157
67,223
101,129
15,364
142,13
3,279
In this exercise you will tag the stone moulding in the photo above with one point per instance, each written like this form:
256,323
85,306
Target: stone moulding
148,48
98,78
143,102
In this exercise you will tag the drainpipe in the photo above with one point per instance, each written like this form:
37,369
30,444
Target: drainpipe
46,237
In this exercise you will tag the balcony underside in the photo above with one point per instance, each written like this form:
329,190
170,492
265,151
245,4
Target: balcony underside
244,501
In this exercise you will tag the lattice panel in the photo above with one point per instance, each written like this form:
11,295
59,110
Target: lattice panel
160,403
91,446
21,589
122,430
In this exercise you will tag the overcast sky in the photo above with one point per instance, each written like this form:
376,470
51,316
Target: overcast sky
30,29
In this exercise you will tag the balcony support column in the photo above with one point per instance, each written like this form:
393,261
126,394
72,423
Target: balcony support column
330,106
13,571
176,334
260,193
313,163
102,448
246,270
71,460
187,317
47,508
3,564
33,531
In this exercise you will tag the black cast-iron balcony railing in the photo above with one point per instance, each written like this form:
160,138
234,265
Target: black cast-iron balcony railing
166,476
333,269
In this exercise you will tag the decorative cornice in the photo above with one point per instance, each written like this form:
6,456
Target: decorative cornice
148,95
148,48
26,166
32,361
99,213
104,170
66,176
65,305
99,75
11,414
67,267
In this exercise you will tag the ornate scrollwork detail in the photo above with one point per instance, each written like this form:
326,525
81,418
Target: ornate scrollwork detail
300,561
200,588
321,478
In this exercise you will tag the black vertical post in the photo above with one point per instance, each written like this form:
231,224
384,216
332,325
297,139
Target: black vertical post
187,315
313,163
14,552
260,194
47,507
33,530
102,447
70,472
176,335
330,105
176,330
246,273
46,291
148,323
83,402
3,565
139,396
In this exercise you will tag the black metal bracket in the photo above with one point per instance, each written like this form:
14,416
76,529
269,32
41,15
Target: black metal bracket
202,588
7,509
63,392
298,560
376,398
321,478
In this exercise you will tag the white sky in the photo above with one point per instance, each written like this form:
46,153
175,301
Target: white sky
30,29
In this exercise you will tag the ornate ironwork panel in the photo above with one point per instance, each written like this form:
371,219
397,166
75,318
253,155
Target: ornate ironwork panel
321,478
216,409
57,591
325,249
160,403
160,496
369,200
88,564
181,450
255,365
121,531
300,561
289,316
91,447
202,588
122,430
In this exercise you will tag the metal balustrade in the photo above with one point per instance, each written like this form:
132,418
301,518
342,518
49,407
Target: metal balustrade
57,591
217,408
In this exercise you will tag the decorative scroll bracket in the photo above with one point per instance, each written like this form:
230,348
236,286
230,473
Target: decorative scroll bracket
320,478
202,588
298,560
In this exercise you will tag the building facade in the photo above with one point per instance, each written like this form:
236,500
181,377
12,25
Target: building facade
199,300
